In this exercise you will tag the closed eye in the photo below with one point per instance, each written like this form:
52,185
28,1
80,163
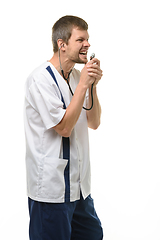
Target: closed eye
80,40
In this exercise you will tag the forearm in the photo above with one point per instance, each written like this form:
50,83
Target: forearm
94,115
73,111
89,73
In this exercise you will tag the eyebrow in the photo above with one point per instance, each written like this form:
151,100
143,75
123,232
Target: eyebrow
82,38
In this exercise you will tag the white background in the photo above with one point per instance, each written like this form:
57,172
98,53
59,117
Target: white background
125,150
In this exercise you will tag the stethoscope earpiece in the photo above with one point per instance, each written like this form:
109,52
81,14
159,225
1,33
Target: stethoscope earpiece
61,46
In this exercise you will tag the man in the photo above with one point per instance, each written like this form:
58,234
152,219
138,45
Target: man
57,148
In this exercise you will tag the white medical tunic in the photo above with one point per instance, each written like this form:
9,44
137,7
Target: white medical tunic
44,151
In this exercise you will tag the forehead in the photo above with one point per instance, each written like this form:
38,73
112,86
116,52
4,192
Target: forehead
78,33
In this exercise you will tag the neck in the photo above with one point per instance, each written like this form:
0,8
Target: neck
65,64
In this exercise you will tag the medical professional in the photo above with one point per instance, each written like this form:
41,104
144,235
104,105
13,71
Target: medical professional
60,104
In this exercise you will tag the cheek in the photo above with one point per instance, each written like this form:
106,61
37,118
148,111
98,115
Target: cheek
73,52
75,47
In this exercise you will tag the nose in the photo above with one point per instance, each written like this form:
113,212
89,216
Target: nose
86,44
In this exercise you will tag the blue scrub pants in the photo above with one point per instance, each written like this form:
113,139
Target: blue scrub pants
64,221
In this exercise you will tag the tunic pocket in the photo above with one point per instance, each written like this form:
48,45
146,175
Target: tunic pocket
53,183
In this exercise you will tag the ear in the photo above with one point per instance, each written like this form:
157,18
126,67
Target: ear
61,44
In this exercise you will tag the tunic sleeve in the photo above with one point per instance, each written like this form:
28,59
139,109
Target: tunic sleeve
46,100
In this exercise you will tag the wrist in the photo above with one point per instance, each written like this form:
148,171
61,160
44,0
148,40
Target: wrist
83,87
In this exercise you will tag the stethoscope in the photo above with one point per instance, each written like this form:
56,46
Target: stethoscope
67,79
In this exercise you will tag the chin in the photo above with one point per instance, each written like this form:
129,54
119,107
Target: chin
84,60
80,59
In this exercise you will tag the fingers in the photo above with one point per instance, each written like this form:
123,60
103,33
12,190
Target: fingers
94,69
91,73
95,61
95,74
93,64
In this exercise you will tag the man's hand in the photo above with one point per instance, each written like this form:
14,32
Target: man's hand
91,73
95,73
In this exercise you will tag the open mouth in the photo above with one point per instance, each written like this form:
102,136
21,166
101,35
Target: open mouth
83,53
